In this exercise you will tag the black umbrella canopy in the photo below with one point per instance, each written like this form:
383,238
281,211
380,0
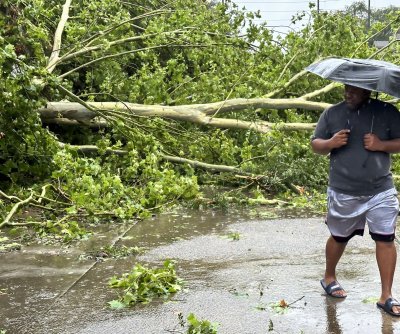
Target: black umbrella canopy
370,74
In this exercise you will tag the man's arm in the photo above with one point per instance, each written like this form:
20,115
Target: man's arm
325,146
373,143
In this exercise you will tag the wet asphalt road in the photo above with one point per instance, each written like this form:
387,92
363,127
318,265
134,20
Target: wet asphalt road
232,283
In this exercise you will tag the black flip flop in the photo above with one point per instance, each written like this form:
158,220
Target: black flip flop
331,288
387,307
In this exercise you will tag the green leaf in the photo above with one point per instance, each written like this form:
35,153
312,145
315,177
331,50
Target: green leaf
370,300
116,305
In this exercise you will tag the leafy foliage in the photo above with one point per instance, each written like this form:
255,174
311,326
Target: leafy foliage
234,236
112,252
127,186
280,306
141,285
197,326
26,150
370,300
7,246
64,230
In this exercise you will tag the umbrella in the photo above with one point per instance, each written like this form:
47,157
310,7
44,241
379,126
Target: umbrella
370,74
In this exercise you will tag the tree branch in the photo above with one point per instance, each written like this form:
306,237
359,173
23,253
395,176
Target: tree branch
384,48
197,113
44,189
287,84
87,110
170,158
194,163
15,208
88,49
374,35
72,122
57,37
139,17
298,75
86,149
323,90
115,55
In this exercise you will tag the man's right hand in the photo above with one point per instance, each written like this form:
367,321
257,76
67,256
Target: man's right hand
340,138
325,146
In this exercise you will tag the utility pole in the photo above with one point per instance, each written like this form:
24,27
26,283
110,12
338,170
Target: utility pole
369,15
318,7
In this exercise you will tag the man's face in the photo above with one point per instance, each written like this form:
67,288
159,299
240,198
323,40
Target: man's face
355,96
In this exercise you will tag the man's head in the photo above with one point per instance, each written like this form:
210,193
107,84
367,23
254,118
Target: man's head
355,96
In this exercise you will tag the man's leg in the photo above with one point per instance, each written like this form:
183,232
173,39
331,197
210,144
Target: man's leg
386,256
333,252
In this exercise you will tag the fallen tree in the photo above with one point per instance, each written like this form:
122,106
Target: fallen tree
149,105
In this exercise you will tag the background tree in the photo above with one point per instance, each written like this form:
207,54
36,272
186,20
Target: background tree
376,17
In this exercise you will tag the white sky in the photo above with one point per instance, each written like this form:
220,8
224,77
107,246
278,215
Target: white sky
278,14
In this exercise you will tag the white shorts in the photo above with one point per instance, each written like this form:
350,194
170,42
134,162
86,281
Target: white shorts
348,214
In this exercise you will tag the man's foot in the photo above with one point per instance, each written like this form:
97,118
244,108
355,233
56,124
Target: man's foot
334,289
390,306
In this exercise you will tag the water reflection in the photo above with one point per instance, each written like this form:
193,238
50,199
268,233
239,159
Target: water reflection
333,325
388,322
332,322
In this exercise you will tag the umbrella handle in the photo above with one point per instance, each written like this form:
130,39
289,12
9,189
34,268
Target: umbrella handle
370,131
372,121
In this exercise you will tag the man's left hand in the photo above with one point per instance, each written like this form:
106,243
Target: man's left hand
372,142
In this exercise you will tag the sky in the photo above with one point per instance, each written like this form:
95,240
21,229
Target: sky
279,13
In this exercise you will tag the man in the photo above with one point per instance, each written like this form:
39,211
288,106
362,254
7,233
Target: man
359,134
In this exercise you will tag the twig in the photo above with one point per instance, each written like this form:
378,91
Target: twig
52,201
242,187
83,103
295,301
229,94
44,189
26,223
9,197
41,206
113,243
108,213
35,202
257,157
60,191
